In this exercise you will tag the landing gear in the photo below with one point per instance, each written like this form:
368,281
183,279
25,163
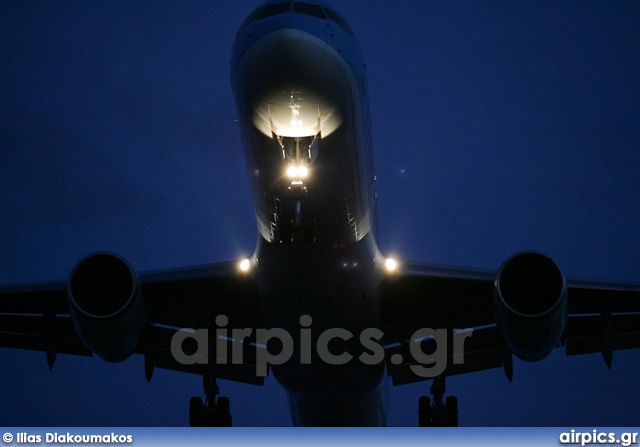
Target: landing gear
207,415
424,411
308,226
285,225
293,213
211,412
195,411
438,414
296,216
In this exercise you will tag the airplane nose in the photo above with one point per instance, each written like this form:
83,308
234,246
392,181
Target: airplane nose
293,82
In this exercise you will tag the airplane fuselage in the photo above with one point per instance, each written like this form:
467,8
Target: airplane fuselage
300,88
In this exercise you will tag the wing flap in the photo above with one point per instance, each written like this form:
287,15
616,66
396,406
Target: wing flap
588,334
482,350
594,297
39,333
158,343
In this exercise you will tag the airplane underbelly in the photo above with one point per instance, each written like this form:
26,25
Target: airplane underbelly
326,298
366,409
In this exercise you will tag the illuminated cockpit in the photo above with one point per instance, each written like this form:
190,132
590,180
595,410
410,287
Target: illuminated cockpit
292,6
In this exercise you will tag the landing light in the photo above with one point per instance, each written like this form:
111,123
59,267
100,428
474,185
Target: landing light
292,171
244,265
390,264
297,171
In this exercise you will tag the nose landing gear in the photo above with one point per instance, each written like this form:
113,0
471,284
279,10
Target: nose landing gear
294,213
297,216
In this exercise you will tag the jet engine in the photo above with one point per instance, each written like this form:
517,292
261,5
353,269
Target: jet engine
530,294
106,305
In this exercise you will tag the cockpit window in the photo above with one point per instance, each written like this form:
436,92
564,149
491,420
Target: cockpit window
299,7
309,9
335,17
272,10
250,18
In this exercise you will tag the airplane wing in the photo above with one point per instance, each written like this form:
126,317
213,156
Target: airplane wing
600,317
591,317
39,317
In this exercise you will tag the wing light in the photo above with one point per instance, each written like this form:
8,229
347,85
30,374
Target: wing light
244,265
391,265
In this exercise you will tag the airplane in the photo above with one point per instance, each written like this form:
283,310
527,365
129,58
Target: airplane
291,225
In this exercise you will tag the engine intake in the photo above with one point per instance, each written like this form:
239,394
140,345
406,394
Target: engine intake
106,305
531,304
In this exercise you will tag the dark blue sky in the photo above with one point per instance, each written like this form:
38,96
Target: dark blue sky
498,127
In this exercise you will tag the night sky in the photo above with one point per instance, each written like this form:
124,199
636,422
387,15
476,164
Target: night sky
498,127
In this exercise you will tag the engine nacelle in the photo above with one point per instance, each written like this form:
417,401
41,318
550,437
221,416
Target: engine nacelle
106,305
531,304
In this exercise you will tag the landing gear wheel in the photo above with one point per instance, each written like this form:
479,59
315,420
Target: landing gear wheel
443,412
223,412
424,411
451,411
223,404
216,415
195,411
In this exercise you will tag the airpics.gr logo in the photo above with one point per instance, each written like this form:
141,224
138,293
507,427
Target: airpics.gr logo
596,437
366,348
